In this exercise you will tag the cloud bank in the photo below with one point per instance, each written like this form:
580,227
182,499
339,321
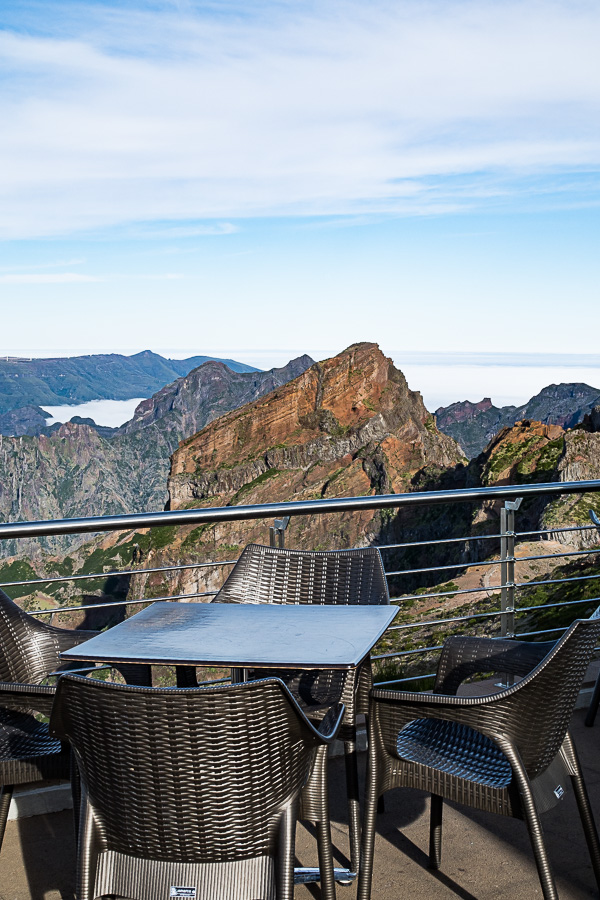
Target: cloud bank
185,113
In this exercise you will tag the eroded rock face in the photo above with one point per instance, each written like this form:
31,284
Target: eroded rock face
347,426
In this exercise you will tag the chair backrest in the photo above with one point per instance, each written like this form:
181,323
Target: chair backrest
272,575
196,775
29,649
535,713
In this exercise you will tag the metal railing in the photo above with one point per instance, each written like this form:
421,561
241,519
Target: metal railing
411,640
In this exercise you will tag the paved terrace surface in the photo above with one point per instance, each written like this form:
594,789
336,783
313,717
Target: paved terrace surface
485,857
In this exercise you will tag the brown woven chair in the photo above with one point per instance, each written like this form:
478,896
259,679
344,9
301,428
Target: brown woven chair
195,788
29,651
508,752
345,577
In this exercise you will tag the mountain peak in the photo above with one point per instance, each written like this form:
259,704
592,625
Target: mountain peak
348,425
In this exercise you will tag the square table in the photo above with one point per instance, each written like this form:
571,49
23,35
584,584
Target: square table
243,636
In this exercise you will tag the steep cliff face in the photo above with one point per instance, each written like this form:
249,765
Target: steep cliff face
350,420
348,426
474,425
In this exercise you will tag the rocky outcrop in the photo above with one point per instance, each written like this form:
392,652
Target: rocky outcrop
474,425
534,452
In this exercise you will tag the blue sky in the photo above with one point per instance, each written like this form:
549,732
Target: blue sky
270,178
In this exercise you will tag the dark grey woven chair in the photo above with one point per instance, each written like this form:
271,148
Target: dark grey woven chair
193,788
29,651
345,577
508,752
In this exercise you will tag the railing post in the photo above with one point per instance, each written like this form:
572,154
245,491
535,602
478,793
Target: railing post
277,532
507,567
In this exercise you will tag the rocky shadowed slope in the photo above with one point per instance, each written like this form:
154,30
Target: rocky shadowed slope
474,425
77,379
25,420
73,470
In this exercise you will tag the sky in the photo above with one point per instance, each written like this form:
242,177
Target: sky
267,178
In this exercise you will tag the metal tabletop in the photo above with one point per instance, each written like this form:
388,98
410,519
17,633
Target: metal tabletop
241,635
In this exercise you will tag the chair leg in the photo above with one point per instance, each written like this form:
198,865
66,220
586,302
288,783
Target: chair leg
325,859
435,831
6,793
595,702
365,874
286,852
532,820
351,760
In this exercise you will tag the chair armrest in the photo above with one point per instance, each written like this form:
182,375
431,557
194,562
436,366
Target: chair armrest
330,725
390,711
463,657
39,697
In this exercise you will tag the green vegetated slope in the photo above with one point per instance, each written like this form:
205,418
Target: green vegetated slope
77,379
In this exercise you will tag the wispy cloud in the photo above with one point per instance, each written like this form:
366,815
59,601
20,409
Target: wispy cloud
200,112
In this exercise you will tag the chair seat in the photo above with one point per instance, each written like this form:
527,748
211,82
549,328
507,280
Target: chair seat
455,750
27,751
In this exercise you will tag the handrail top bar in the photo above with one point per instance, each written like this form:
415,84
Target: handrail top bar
91,524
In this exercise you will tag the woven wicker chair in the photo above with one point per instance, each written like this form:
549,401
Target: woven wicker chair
508,752
29,651
272,575
195,788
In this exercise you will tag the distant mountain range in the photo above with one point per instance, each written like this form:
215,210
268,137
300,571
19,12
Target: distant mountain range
78,469
77,379
474,425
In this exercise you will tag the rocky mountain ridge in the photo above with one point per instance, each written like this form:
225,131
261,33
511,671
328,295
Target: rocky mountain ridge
474,425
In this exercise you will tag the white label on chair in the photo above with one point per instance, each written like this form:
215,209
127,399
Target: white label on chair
183,892
558,793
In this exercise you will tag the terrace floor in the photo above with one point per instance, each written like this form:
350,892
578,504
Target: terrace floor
485,857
